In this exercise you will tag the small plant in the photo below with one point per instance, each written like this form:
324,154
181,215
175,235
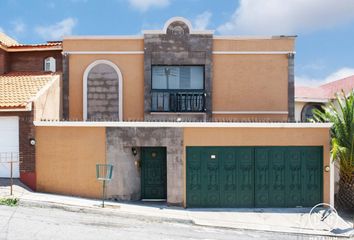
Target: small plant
9,201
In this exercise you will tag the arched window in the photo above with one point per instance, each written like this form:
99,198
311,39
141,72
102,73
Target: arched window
307,111
102,92
49,64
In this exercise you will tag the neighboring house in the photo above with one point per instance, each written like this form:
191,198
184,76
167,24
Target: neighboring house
30,78
185,116
309,98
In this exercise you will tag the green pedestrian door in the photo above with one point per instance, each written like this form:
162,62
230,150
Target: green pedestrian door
254,176
153,173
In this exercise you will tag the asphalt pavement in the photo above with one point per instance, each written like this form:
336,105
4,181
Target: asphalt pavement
51,223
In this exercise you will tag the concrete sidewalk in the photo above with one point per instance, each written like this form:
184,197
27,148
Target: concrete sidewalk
294,220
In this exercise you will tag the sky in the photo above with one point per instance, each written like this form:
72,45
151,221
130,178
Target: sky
325,28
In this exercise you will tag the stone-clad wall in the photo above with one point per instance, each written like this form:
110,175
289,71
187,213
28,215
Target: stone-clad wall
102,94
125,184
177,47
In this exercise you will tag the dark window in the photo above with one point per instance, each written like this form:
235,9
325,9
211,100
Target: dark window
177,77
307,111
177,89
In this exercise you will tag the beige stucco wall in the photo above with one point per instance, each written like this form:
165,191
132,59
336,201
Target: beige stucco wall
66,158
249,117
132,69
48,104
250,83
249,44
103,44
261,137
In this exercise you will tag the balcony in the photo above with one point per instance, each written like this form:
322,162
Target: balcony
178,101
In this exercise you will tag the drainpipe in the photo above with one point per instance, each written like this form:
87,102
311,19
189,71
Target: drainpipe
65,86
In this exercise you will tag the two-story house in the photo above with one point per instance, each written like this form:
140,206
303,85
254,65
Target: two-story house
186,116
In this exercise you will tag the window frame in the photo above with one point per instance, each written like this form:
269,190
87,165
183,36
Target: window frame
52,64
304,109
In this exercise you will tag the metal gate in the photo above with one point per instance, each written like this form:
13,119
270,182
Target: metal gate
254,176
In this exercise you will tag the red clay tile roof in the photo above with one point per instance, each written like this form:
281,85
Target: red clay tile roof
11,43
40,45
6,40
326,91
310,93
17,89
345,84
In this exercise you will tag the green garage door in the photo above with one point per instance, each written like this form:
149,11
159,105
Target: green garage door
254,176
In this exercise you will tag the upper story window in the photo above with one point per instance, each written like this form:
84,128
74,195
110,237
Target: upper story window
49,64
178,77
177,89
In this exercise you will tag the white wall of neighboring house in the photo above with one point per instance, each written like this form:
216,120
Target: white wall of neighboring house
298,109
9,146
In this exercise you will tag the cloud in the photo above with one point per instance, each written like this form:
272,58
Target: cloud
287,17
57,30
339,74
144,5
202,21
19,27
2,30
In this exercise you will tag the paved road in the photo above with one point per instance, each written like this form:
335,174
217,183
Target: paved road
43,223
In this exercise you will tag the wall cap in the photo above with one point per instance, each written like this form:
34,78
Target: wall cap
182,124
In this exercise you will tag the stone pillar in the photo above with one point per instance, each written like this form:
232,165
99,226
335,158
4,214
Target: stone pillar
65,86
291,88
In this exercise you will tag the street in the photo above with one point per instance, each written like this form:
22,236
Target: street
48,223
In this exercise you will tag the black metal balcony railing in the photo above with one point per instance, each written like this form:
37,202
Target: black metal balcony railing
177,101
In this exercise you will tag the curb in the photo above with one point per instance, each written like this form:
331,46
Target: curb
112,212
284,232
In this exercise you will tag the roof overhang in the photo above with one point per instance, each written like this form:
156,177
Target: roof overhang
27,108
33,49
315,100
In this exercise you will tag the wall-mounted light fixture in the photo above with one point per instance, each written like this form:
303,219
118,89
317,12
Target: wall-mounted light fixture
134,151
327,168
32,141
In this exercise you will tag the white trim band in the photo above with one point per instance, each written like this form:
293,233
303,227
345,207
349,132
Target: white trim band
27,109
182,124
104,52
102,37
315,100
214,52
250,112
252,37
252,52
